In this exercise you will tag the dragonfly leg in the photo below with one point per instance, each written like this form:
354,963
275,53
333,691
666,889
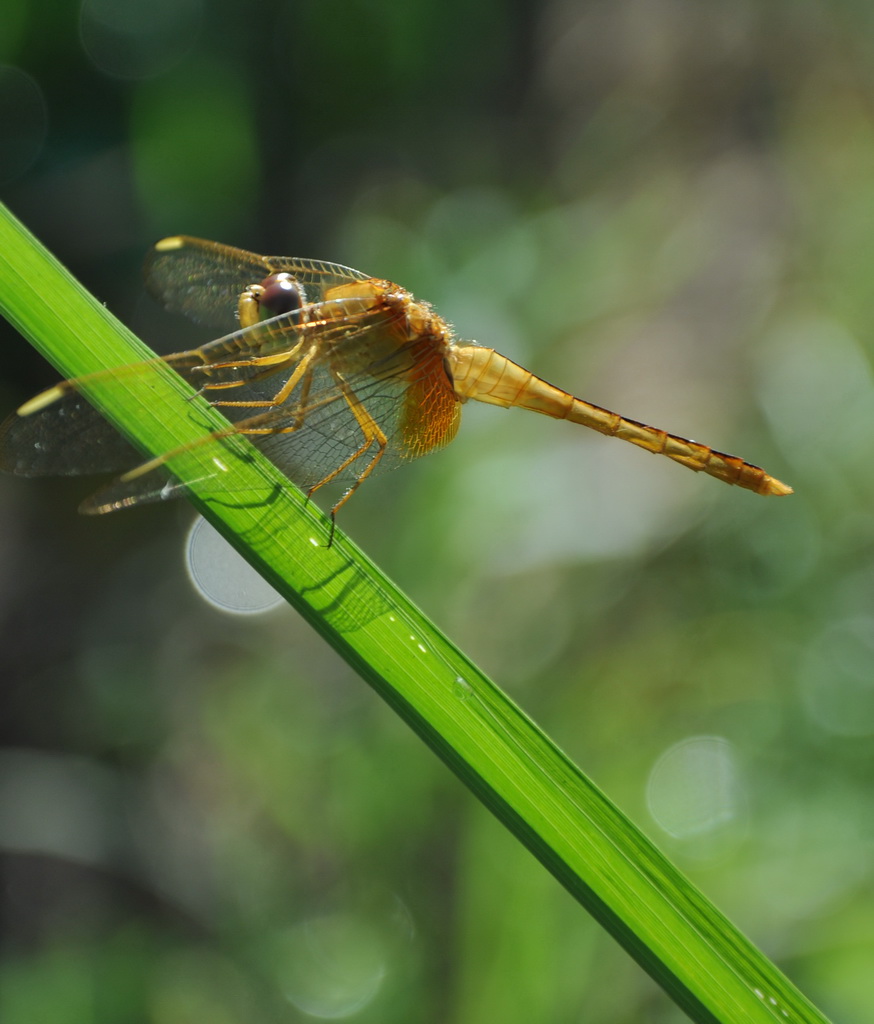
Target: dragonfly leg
196,361
271,364
249,426
274,359
372,434
281,396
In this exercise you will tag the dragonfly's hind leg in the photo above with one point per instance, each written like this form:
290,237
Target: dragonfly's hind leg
372,434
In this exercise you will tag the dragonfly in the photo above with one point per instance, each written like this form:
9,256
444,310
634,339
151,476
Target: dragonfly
334,375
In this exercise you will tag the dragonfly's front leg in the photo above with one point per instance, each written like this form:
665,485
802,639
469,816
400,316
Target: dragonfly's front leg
254,425
271,365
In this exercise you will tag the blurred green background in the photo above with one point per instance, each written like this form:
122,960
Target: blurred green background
665,206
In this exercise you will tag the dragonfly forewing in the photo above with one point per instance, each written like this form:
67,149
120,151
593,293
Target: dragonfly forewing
204,280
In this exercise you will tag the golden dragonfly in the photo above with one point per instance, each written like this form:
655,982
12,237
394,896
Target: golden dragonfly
335,375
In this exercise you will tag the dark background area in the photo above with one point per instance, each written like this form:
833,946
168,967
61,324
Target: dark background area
666,207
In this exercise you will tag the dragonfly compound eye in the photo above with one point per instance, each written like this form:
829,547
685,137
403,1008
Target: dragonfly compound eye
280,294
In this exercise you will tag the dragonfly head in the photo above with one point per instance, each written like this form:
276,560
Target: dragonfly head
277,294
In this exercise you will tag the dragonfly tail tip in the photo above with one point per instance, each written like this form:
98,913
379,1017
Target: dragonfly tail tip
777,487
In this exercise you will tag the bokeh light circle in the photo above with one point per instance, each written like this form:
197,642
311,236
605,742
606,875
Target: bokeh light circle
222,577
135,41
836,678
693,788
23,121
330,967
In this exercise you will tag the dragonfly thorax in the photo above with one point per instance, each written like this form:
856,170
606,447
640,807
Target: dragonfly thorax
405,320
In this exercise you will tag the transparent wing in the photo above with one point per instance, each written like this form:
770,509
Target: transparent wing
315,430
67,436
410,399
204,280
307,444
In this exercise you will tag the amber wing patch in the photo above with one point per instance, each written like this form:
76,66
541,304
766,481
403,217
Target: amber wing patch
431,411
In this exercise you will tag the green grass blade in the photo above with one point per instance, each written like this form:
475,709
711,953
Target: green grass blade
707,967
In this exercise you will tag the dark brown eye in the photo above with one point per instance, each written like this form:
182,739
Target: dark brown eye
281,294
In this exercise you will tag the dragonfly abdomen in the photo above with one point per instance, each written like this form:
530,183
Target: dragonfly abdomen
487,376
